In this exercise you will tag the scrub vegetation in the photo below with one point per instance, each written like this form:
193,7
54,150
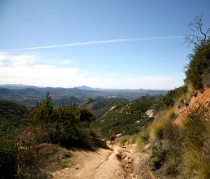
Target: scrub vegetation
33,139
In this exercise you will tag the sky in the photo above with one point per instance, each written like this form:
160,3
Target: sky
112,44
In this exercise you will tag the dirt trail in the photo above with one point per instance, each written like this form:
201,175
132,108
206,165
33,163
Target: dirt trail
119,163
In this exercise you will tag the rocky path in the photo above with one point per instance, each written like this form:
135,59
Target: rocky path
118,163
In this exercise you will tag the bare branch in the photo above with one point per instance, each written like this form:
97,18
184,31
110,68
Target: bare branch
198,35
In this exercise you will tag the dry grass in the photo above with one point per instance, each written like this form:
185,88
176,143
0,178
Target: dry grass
122,140
187,145
196,144
156,128
40,160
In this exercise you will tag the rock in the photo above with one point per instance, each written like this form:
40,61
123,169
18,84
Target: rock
119,156
77,167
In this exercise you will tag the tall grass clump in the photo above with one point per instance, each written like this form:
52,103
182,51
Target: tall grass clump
36,162
161,125
195,131
143,138
173,95
165,150
123,139
185,148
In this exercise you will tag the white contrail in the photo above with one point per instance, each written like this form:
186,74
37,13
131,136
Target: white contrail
99,42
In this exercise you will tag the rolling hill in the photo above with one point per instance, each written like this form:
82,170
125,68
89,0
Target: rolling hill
127,118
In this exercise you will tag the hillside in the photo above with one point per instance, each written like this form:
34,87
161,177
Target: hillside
162,146
178,138
128,118
13,111
14,118
175,138
45,130
99,108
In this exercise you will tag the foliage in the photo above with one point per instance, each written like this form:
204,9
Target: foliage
13,111
43,112
185,147
25,149
8,154
36,162
157,157
171,97
66,125
13,119
199,65
173,159
86,115
162,127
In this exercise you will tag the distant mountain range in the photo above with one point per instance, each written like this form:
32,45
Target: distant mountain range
30,95
84,87
16,86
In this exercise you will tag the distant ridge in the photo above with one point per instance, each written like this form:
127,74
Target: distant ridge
83,87
16,86
30,95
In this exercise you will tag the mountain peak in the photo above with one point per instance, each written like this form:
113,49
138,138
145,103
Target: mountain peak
84,87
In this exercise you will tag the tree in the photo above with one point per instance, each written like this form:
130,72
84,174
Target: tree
86,115
43,112
199,67
66,124
197,26
65,119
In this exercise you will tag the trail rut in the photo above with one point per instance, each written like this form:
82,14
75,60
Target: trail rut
119,163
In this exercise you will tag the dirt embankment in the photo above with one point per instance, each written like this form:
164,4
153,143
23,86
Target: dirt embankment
200,98
118,163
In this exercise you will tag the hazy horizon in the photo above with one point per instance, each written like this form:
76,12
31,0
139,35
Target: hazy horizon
19,85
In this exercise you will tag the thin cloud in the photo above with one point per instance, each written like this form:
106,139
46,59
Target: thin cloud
99,42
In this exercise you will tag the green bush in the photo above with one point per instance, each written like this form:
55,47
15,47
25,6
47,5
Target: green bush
186,148
199,65
9,130
37,162
171,97
172,160
66,125
157,157
8,157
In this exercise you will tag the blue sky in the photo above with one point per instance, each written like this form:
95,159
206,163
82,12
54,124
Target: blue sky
123,44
